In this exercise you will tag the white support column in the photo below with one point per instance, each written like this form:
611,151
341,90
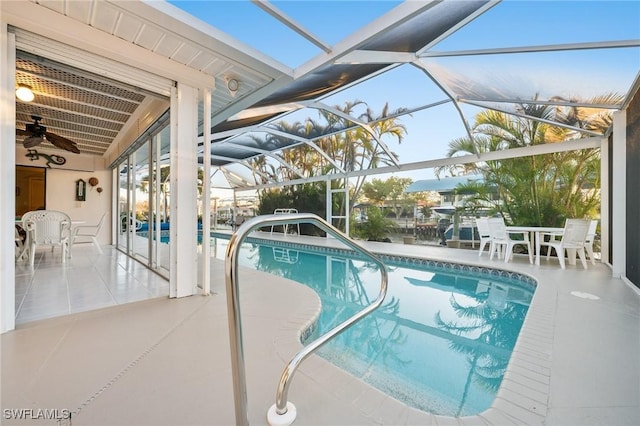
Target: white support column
605,201
157,143
183,181
619,194
347,207
329,204
115,209
8,173
235,207
206,193
132,239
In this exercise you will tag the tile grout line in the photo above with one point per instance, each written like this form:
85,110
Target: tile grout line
104,282
132,364
55,348
24,297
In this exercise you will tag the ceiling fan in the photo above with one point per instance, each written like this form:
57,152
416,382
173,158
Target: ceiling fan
36,134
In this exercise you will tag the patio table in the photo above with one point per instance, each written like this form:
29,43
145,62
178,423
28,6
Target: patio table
536,231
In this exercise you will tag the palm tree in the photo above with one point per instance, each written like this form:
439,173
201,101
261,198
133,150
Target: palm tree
163,177
352,149
542,189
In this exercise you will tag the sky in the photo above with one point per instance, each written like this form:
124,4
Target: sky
509,24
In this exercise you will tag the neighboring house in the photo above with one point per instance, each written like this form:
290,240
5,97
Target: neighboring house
449,201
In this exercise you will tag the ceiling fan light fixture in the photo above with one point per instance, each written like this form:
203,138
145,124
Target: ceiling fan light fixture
32,141
24,93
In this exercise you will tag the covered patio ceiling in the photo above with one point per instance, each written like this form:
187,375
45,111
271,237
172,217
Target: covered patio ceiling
102,71
440,47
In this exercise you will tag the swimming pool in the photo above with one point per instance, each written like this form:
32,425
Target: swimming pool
441,341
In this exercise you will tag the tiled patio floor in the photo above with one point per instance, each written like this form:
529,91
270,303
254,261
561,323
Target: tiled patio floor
89,280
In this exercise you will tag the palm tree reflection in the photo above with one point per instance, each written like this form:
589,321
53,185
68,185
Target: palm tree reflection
482,324
495,324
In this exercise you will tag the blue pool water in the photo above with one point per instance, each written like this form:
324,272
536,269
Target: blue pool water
442,339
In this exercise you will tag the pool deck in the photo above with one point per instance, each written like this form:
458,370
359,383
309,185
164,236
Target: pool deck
167,362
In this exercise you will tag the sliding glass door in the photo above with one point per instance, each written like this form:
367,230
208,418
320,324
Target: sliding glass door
144,200
161,172
124,207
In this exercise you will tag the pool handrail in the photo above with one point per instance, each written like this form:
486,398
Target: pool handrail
282,412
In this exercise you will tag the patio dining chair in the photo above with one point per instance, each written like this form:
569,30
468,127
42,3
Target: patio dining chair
49,228
500,236
482,223
588,242
21,248
89,232
571,241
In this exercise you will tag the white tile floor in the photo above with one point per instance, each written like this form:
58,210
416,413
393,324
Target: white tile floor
89,280
167,362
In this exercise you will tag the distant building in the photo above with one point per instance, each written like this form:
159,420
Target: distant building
449,201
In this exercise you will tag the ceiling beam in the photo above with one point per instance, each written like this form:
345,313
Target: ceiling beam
291,23
548,148
534,49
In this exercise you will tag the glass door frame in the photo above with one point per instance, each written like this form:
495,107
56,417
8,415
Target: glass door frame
128,234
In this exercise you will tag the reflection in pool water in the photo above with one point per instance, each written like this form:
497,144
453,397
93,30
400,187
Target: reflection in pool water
441,341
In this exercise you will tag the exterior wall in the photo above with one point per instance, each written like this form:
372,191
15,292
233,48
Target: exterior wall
633,188
8,173
61,184
609,204
38,157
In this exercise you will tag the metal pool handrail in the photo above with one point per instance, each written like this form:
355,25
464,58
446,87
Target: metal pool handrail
282,412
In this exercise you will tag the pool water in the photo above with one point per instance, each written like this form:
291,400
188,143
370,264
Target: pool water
440,342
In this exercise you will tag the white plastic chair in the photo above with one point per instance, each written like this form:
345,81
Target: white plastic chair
285,227
500,236
47,227
588,242
572,240
89,231
482,223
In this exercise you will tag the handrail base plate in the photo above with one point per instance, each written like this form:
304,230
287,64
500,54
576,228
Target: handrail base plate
285,419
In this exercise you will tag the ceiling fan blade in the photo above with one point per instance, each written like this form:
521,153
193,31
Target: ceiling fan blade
32,141
20,132
62,143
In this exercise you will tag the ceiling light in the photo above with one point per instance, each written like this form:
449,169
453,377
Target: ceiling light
233,85
24,93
